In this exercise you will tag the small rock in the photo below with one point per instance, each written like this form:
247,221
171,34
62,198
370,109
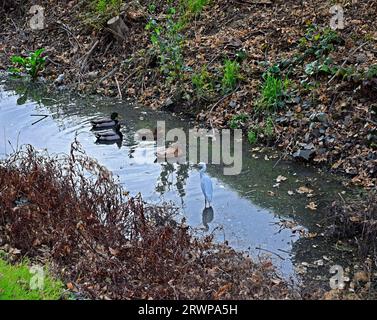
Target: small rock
351,171
329,139
307,146
316,132
92,75
318,117
306,154
281,120
306,104
60,79
168,102
319,262
361,58
233,104
372,137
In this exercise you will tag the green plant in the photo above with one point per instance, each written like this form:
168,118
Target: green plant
32,64
152,8
241,55
167,42
194,7
269,129
309,85
202,82
100,11
15,284
102,6
274,92
231,75
321,66
238,120
319,42
251,136
189,9
371,72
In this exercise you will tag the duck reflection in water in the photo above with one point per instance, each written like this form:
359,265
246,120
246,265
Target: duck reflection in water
207,217
110,136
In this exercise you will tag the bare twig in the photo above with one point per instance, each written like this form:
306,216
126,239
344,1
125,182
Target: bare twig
111,73
87,55
119,91
276,254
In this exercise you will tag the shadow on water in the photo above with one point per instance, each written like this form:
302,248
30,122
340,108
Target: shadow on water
251,209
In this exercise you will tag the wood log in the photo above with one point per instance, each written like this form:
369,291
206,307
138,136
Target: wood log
118,28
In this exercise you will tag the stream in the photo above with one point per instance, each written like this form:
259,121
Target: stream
249,209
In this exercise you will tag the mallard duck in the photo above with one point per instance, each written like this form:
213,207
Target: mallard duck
105,122
111,135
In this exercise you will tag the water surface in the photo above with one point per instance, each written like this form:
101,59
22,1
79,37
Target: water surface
247,208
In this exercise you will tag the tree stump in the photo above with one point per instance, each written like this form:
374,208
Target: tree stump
118,28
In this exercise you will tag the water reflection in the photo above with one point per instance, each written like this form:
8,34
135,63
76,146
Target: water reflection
207,217
117,142
109,136
173,176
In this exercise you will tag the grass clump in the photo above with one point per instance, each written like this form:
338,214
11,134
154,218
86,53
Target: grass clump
252,136
238,121
100,11
231,75
16,283
265,132
193,7
274,92
104,6
202,82
269,129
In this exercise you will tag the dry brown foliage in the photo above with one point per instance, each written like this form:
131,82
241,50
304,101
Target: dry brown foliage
70,211
357,222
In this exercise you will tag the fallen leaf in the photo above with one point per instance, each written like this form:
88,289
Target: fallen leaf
114,252
311,235
361,276
355,219
280,179
222,290
304,189
311,206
